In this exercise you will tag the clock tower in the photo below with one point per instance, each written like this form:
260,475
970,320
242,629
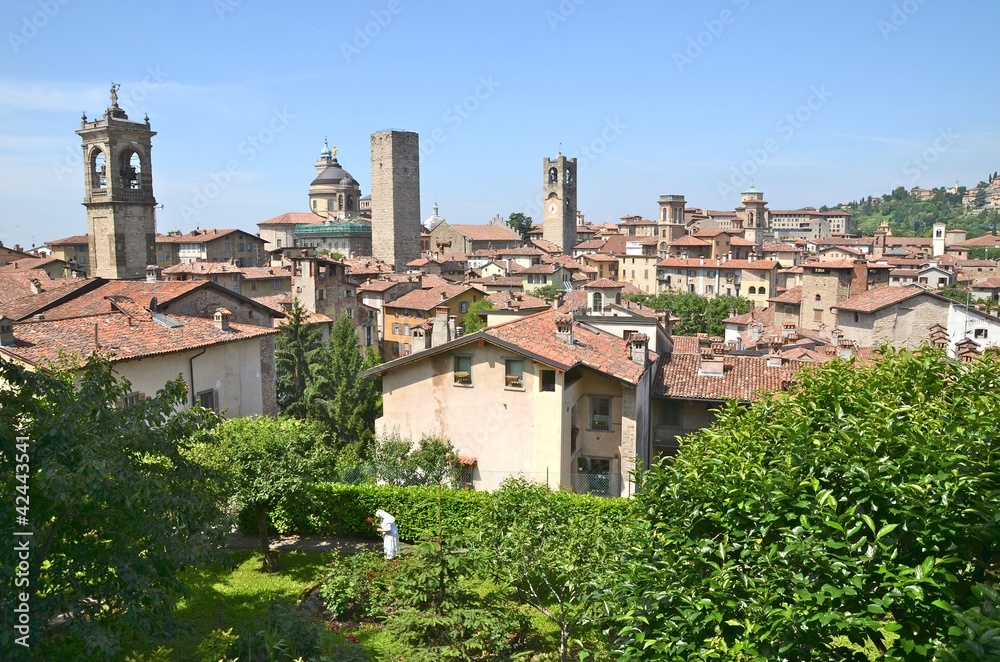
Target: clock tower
559,202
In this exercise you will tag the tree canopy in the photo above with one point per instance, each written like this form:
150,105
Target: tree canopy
116,507
520,224
472,322
697,314
857,510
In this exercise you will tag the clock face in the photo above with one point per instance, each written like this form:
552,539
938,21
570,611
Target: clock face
553,208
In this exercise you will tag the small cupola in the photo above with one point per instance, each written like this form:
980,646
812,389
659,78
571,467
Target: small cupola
221,318
564,328
638,344
152,273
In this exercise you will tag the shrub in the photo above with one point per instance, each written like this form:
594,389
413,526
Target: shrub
357,586
281,635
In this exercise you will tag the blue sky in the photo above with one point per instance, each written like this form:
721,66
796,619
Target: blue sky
816,102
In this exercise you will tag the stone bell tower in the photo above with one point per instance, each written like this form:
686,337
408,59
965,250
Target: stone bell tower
118,193
559,202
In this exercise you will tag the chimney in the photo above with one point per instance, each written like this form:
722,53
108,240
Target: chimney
845,349
36,286
152,273
712,365
6,331
774,358
638,343
221,318
564,329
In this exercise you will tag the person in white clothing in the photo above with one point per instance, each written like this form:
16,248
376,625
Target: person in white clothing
390,534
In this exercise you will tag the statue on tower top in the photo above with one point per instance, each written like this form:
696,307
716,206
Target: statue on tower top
114,94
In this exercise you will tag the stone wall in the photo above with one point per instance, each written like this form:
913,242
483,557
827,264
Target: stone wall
395,197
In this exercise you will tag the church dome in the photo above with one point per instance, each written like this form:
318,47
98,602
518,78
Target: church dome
434,220
334,174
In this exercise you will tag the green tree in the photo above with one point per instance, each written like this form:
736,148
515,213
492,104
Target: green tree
336,397
266,462
297,347
472,322
520,224
697,314
533,541
856,510
548,292
432,462
115,506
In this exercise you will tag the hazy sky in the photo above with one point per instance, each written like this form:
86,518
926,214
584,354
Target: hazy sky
816,102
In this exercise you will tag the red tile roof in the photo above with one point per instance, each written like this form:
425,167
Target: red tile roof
546,246
879,298
294,218
592,348
205,268
794,295
264,273
691,240
200,236
516,301
28,263
487,232
429,298
744,378
66,241
604,283
123,336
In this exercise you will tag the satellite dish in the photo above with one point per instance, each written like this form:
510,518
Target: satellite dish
152,305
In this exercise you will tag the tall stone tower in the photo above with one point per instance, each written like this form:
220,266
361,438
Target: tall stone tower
671,221
118,193
753,212
396,197
559,202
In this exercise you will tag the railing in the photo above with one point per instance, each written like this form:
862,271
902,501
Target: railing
326,228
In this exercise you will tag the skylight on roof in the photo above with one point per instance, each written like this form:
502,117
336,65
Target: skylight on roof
168,322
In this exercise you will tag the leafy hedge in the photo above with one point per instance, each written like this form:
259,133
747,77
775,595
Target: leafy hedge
335,509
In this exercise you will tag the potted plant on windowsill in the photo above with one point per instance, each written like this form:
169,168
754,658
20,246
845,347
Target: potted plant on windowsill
463,377
514,381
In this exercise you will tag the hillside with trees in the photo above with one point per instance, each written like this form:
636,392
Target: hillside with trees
909,216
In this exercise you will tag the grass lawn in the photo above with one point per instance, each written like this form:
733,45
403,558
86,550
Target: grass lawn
220,596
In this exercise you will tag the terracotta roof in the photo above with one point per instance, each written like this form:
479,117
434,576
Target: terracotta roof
27,263
360,266
794,295
123,336
262,273
429,298
499,281
294,218
592,348
546,246
590,244
712,232
599,257
780,248
200,236
542,269
66,241
18,303
756,265
986,284
740,241
691,240
764,316
487,232
205,268
516,301
904,272
744,378
879,298
604,283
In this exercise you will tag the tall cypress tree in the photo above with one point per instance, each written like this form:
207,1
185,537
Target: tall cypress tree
297,347
335,396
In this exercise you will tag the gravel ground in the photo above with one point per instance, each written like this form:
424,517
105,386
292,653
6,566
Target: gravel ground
343,545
